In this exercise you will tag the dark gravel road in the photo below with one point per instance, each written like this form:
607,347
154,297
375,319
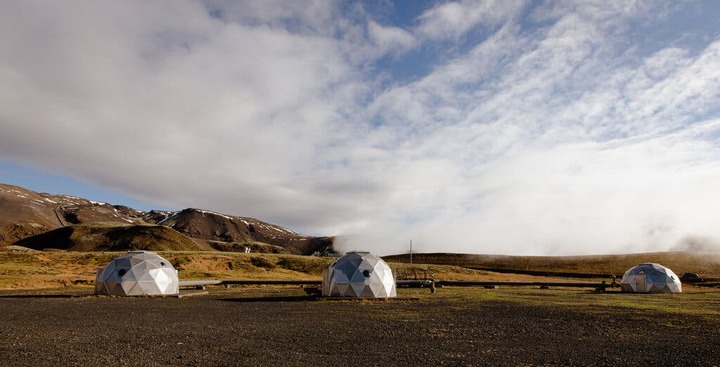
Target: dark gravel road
225,330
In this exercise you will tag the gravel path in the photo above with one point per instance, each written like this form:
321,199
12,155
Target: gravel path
225,330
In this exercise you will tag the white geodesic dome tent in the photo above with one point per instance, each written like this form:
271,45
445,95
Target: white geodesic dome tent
137,273
359,275
650,278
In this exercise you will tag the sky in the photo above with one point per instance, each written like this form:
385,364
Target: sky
493,127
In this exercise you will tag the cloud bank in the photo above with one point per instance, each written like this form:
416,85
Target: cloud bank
474,126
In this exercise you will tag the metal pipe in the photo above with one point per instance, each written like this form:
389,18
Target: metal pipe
409,282
471,283
199,283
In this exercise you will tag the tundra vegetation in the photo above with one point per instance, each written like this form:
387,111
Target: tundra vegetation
262,325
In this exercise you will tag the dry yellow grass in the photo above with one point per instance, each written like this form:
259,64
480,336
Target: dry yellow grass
50,269
23,269
706,264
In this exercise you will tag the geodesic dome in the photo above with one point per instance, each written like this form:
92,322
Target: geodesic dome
650,278
137,273
359,274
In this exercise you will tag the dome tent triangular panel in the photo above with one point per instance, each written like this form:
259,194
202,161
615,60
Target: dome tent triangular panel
359,290
376,288
343,288
368,292
359,274
137,273
134,289
115,289
650,278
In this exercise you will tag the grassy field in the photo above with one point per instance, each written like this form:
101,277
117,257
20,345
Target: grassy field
702,302
706,264
455,325
51,269
25,269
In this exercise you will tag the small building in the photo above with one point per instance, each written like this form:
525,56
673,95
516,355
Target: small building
137,273
359,275
650,278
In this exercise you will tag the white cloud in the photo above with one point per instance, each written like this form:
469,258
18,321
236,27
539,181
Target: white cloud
455,18
390,39
212,102
552,133
561,100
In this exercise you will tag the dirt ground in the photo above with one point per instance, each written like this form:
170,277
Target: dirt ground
286,328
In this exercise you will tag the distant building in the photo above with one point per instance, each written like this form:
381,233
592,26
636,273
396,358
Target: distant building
360,275
650,278
137,273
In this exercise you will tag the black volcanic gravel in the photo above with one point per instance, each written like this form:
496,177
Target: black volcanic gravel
224,330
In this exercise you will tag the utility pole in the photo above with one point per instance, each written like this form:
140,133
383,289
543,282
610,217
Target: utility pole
410,252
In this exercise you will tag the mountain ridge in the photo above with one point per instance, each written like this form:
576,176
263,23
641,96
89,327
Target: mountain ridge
32,219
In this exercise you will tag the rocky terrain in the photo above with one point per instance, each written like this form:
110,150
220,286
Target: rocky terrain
41,221
252,329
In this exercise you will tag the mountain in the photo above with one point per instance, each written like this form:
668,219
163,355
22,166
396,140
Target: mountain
42,221
25,213
112,237
207,225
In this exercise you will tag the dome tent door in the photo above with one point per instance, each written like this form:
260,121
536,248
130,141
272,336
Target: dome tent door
640,283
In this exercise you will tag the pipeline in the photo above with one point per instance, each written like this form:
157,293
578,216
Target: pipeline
411,283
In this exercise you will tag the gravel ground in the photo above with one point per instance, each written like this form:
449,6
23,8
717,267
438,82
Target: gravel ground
226,329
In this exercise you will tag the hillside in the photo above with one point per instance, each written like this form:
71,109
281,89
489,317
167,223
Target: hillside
707,264
24,213
207,225
42,221
112,237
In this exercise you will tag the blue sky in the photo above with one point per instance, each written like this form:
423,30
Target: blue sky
57,183
515,127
